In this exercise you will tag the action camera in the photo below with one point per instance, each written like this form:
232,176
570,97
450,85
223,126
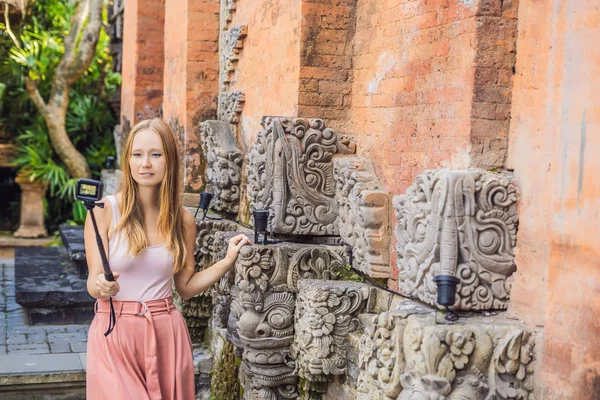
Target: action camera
89,190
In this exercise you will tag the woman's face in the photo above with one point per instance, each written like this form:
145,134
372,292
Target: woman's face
147,162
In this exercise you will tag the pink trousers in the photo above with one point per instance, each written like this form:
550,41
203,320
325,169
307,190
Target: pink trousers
148,355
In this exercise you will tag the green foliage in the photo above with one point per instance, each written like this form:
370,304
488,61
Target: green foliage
79,213
89,121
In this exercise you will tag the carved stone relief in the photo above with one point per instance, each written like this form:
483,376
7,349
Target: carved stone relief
231,44
459,223
363,215
230,107
224,164
290,172
261,319
326,312
227,9
416,358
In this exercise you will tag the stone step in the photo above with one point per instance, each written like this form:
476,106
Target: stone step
43,376
49,288
72,238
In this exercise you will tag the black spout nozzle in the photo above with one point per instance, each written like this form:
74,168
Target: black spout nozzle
446,289
261,218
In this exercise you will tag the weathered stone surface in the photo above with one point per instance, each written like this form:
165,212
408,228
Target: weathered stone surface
290,173
402,357
459,223
261,321
49,288
363,209
231,44
32,208
72,238
224,169
227,9
326,313
279,267
230,107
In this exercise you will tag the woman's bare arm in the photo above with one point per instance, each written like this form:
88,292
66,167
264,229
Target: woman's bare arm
97,286
189,283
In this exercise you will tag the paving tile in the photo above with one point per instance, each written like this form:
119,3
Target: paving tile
79,347
83,359
41,363
17,339
60,347
28,349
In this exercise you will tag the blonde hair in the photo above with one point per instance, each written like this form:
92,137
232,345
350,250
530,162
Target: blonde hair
170,218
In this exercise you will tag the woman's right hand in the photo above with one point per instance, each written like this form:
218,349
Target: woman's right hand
106,288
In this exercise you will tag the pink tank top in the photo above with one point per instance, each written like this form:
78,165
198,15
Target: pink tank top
144,277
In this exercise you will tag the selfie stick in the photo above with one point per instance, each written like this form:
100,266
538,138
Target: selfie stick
89,205
107,272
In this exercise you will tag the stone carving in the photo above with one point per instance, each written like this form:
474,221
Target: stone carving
211,243
266,331
230,107
416,358
232,42
224,159
279,267
227,9
363,215
325,313
459,223
261,319
290,172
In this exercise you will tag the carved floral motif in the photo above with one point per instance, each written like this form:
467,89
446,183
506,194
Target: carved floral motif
325,313
460,223
232,42
416,358
290,173
230,107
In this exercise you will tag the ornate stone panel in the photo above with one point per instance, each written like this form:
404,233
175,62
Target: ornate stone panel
211,244
290,172
460,223
224,159
261,320
326,312
363,209
228,8
230,107
406,357
231,44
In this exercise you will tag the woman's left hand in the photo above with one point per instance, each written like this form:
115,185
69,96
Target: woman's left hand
235,244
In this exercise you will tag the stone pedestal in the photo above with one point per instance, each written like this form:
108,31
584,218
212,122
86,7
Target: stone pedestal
32,208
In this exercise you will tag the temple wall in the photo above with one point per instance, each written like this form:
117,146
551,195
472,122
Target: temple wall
553,141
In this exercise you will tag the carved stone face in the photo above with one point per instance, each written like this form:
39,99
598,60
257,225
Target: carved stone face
458,223
423,387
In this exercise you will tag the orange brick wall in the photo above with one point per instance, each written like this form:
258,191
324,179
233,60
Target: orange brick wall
427,91
143,59
269,64
553,148
326,60
191,76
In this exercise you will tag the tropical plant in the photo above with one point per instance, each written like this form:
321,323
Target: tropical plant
42,54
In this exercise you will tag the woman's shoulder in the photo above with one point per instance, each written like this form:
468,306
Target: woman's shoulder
188,217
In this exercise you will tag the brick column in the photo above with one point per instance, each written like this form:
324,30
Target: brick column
143,61
191,83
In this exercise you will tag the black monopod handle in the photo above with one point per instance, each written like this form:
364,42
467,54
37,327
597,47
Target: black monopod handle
107,272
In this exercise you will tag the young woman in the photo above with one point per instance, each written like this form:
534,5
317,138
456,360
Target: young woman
149,239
